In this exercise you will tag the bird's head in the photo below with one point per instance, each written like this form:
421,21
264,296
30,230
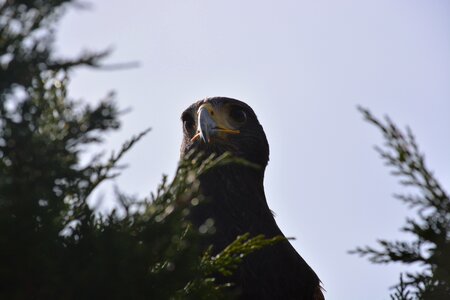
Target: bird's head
218,125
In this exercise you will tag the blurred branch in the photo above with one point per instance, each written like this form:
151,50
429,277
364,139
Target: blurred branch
431,227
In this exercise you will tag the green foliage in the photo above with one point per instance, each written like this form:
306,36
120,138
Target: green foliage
430,247
26,36
52,243
228,260
401,291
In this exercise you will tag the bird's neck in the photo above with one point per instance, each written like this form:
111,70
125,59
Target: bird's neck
235,200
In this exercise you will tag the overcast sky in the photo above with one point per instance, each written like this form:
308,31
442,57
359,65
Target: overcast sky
303,66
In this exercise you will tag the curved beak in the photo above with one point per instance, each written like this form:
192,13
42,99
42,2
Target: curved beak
211,122
206,124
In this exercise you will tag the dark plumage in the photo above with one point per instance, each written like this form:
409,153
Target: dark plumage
237,203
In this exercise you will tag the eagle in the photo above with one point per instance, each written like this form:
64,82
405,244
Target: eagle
236,200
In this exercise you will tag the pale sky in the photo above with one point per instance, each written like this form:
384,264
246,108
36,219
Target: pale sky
303,66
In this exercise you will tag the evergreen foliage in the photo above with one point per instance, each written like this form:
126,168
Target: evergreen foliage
52,244
430,229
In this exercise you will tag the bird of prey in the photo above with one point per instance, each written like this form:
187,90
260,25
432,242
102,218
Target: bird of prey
237,203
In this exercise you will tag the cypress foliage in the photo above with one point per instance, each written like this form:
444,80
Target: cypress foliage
430,228
52,244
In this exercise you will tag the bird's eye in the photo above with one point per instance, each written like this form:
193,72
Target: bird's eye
188,123
238,115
